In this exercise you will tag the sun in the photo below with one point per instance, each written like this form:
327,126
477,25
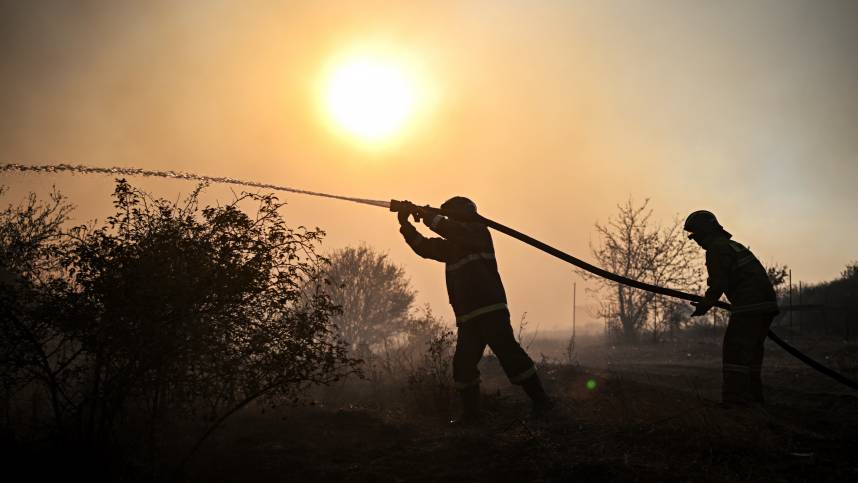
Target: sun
371,97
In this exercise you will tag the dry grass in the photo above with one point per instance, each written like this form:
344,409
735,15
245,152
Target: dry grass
645,420
626,429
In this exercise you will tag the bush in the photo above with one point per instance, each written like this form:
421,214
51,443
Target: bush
168,312
431,346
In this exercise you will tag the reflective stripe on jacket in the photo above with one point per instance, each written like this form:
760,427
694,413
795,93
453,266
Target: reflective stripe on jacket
474,285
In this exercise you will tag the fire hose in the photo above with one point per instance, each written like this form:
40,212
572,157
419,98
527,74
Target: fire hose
397,206
600,272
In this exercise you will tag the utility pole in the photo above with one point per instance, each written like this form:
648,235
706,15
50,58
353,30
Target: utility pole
570,346
790,300
574,306
800,316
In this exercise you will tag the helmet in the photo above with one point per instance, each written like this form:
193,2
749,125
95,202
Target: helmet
460,204
703,222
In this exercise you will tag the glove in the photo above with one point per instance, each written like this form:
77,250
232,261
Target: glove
427,213
402,216
700,308
408,208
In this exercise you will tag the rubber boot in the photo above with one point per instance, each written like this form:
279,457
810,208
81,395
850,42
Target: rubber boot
533,388
471,413
755,387
736,390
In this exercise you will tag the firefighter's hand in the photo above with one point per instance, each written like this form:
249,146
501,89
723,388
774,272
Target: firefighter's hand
407,209
402,216
700,308
427,213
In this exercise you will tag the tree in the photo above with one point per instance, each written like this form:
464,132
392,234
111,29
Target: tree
850,273
635,248
668,316
777,274
374,293
33,350
172,311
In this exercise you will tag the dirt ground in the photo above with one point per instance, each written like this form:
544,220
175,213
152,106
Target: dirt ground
651,416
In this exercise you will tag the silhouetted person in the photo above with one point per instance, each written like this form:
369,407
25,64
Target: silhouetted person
479,302
735,271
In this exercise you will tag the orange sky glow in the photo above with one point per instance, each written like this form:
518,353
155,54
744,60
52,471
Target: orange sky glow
548,114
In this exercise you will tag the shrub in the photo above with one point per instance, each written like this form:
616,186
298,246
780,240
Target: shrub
169,312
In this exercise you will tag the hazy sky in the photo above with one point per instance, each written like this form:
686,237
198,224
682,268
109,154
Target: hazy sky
546,113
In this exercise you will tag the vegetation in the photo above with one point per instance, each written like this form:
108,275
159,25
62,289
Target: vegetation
827,308
167,313
374,294
635,248
402,348
123,346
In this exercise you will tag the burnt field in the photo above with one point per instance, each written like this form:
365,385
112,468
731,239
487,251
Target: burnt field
652,416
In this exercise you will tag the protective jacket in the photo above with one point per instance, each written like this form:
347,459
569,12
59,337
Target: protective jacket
734,270
474,285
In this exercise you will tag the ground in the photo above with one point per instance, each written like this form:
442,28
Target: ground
652,416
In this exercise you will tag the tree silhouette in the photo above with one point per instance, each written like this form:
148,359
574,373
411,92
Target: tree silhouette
170,311
634,247
374,293
34,349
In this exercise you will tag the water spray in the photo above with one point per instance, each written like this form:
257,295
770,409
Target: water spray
82,169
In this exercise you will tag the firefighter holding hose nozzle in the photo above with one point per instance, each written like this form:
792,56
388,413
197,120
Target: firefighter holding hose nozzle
477,295
735,271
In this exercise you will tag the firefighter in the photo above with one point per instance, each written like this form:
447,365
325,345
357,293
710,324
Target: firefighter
477,295
735,271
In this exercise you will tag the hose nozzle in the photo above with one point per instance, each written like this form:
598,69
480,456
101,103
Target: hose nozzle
398,206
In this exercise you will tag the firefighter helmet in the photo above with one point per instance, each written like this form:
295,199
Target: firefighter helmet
702,222
460,204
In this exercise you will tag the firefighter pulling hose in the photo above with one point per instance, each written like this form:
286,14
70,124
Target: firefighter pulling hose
412,209
475,217
735,271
